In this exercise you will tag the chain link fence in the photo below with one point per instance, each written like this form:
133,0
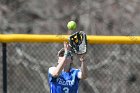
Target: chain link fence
112,68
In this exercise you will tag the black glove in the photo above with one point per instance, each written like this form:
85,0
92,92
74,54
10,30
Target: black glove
78,42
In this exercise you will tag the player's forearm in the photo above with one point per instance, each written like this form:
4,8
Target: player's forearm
84,70
59,67
61,64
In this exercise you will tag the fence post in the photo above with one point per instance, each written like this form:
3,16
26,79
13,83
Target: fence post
4,62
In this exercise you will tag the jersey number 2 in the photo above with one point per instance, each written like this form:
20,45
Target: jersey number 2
66,89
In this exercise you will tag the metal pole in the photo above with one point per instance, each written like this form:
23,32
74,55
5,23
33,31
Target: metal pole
4,60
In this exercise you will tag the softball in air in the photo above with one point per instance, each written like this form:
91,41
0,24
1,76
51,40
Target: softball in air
71,25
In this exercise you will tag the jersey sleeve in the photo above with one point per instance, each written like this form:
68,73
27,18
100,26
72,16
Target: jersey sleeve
77,70
50,77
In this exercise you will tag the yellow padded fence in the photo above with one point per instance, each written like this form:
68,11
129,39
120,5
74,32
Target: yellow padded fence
92,39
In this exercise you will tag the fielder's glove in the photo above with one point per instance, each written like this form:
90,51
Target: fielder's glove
78,42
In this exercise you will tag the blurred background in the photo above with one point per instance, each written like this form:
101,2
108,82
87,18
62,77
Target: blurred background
112,68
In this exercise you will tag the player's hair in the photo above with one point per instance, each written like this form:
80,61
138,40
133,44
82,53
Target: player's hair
61,54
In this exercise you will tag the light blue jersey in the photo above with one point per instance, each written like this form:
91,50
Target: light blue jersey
67,82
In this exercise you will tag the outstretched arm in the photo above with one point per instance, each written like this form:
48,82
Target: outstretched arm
55,71
83,73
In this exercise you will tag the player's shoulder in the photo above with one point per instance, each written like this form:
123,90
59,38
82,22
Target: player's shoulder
51,69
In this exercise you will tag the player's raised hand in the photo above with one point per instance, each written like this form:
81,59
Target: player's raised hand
66,46
82,57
